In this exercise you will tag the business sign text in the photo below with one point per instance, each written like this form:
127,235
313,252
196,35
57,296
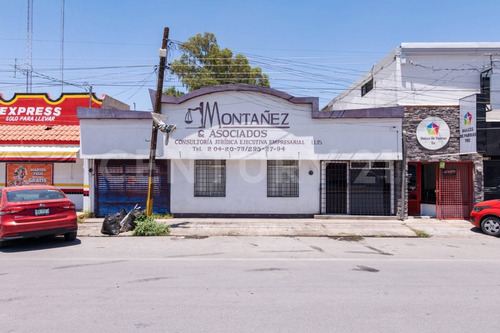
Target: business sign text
433,133
468,128
39,109
19,174
217,128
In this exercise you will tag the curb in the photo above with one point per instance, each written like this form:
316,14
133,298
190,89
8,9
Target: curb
200,228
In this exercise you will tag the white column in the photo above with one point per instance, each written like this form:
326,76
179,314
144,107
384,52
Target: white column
88,185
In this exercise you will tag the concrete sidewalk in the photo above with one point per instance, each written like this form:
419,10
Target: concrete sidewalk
313,227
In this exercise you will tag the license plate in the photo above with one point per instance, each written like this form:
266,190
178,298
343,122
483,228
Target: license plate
42,211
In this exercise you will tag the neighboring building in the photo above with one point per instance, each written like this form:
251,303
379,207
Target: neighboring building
488,142
40,141
242,150
450,96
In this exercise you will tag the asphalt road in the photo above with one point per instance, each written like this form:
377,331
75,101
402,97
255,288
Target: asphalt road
251,284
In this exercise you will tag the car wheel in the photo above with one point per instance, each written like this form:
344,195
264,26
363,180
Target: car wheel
491,226
70,236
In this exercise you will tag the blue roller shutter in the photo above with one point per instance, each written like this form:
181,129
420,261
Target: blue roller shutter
124,183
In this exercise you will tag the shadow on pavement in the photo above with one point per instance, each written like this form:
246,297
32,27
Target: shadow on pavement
36,244
476,230
179,225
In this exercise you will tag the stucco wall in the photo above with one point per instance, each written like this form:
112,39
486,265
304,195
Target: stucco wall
246,190
2,174
117,138
414,78
70,176
293,135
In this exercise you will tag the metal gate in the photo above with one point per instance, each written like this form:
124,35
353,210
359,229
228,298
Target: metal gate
358,188
370,190
124,183
455,190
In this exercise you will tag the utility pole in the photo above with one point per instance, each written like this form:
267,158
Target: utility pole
154,129
29,42
62,44
90,95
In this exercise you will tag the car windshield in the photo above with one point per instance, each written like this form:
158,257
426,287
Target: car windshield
34,195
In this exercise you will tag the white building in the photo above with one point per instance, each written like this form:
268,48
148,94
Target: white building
243,150
449,92
422,74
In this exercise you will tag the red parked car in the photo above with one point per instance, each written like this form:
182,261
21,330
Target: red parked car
33,211
486,215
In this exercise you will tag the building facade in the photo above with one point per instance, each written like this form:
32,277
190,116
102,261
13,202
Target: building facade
40,140
414,136
241,150
449,98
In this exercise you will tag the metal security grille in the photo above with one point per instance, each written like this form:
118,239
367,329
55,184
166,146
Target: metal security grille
370,188
455,191
210,178
282,178
124,183
336,188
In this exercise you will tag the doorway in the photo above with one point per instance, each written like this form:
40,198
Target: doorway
422,189
440,189
455,191
336,188
358,188
124,183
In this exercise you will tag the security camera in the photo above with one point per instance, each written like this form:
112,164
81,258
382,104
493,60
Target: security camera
161,123
168,128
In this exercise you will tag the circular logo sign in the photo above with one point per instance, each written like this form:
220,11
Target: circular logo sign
433,133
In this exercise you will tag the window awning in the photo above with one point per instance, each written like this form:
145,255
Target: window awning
38,153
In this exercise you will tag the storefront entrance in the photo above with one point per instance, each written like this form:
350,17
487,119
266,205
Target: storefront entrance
443,190
358,188
124,183
336,188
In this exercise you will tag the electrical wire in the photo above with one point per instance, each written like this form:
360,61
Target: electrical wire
286,73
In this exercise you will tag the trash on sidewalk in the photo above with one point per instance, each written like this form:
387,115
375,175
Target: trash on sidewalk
121,222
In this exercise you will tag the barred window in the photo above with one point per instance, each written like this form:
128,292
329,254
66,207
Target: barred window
282,178
210,178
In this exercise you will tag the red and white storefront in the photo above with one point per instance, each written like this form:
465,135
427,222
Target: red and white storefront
40,142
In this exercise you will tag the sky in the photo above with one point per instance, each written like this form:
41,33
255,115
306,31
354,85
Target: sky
308,48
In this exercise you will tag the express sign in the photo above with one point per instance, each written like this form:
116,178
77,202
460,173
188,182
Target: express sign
38,109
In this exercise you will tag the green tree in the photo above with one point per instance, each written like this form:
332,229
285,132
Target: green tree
173,92
204,64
